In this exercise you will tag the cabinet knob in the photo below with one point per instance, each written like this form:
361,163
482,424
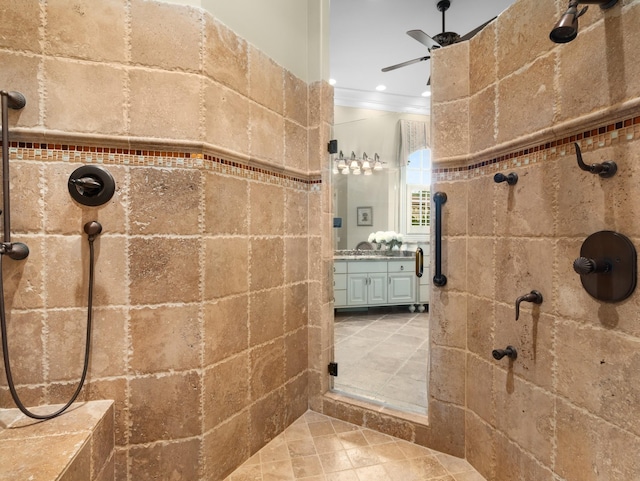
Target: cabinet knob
401,268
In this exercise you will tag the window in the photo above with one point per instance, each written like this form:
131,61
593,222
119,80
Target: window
416,181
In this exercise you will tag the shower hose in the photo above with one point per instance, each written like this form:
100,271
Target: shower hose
5,347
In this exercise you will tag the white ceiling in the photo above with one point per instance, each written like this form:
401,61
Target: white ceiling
367,35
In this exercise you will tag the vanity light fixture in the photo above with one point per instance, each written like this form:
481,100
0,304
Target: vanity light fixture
356,165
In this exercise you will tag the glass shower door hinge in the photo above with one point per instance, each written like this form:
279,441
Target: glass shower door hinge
333,368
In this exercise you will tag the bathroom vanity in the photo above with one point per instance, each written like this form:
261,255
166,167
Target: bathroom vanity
361,280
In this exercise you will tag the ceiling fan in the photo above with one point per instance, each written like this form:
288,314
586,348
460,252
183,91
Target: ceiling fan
440,40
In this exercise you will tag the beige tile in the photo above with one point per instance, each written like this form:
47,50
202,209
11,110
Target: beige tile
266,268
296,99
267,135
450,73
516,97
166,36
19,28
296,353
22,77
266,316
335,461
165,339
526,414
455,208
266,81
66,343
454,262
482,59
296,149
225,328
533,336
226,118
226,389
267,417
108,472
482,120
296,212
79,468
454,140
306,466
481,207
220,456
179,458
523,265
165,407
102,442
267,209
448,315
301,447
481,446
589,448
70,32
373,473
68,83
600,376
158,275
481,327
115,389
26,347
515,49
480,266
226,201
159,109
513,463
266,368
226,58
165,201
479,388
225,269
445,430
629,34
527,208
296,259
447,382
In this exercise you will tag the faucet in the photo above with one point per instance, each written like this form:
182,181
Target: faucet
533,296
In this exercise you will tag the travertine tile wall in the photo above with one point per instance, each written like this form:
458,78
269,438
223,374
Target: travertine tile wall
212,249
515,102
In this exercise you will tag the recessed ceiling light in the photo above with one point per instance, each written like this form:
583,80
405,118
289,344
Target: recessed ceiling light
380,88
426,93
332,81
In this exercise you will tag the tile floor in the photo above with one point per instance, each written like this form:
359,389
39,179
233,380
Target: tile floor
320,448
382,356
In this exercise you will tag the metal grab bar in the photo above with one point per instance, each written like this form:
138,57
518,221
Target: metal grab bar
419,262
439,279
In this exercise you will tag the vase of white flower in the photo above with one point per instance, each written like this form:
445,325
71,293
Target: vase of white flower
389,241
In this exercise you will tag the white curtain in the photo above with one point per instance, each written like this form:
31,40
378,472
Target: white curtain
413,136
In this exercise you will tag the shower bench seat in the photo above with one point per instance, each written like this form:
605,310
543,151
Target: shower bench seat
76,446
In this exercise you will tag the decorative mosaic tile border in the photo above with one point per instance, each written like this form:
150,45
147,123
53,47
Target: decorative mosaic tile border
155,158
589,140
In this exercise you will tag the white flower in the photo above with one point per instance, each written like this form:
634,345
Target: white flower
372,237
400,238
380,237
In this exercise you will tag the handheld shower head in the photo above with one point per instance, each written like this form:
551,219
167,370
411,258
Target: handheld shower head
567,27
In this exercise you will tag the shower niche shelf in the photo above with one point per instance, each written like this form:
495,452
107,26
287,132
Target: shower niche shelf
607,266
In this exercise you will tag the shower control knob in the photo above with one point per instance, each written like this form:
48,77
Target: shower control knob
584,266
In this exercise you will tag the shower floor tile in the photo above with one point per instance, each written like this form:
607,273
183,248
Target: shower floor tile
320,448
382,356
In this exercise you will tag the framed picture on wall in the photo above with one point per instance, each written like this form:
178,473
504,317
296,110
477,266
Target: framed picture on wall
365,215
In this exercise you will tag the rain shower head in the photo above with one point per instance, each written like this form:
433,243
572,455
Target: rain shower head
567,27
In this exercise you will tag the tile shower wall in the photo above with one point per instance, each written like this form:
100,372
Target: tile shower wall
512,101
203,277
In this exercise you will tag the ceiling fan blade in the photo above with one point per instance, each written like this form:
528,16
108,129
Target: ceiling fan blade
475,30
404,64
429,81
423,38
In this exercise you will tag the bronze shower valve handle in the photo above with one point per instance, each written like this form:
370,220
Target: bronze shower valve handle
533,296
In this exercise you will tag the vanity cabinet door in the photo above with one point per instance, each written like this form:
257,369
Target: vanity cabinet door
357,288
402,288
377,288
